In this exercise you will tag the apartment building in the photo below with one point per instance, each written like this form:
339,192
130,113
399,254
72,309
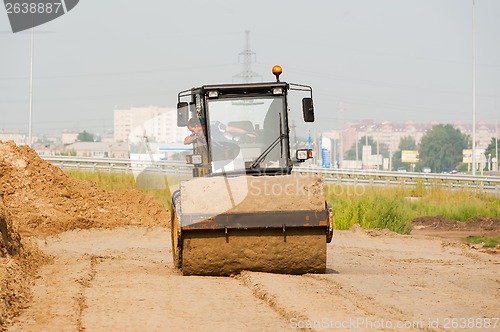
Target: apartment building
157,123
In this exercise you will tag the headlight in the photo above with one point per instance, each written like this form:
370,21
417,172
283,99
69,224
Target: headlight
213,94
303,154
277,91
197,160
194,159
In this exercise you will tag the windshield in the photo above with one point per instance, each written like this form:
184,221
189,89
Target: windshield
242,129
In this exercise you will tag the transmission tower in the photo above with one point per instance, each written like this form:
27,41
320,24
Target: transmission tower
247,75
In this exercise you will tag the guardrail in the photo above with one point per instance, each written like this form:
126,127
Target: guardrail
400,175
115,165
489,184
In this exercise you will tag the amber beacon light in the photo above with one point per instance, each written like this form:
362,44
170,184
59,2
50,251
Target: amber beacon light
277,70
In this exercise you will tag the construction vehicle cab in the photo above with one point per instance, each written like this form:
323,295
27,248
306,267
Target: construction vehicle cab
244,136
245,127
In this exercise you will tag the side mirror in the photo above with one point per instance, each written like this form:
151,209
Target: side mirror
182,114
308,109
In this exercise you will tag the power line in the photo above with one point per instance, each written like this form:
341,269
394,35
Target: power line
145,71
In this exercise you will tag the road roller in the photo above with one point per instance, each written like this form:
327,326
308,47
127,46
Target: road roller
244,208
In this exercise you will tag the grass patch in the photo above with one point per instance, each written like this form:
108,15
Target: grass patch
370,208
461,205
489,242
108,181
394,207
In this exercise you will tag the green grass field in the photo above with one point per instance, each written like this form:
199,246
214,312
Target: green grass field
395,207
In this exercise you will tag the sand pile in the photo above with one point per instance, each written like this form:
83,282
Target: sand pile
43,200
10,240
18,264
215,195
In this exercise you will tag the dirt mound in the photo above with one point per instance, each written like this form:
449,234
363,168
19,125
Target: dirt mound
358,230
439,226
369,233
440,223
18,263
10,241
43,200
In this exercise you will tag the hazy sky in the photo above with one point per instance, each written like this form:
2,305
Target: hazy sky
391,60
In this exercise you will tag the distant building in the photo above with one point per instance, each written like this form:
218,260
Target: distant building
391,134
484,132
107,138
69,137
18,137
385,132
159,124
99,149
483,135
47,149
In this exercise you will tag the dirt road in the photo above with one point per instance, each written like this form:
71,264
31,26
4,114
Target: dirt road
122,279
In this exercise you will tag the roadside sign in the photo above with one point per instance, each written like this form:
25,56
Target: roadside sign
467,156
409,156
